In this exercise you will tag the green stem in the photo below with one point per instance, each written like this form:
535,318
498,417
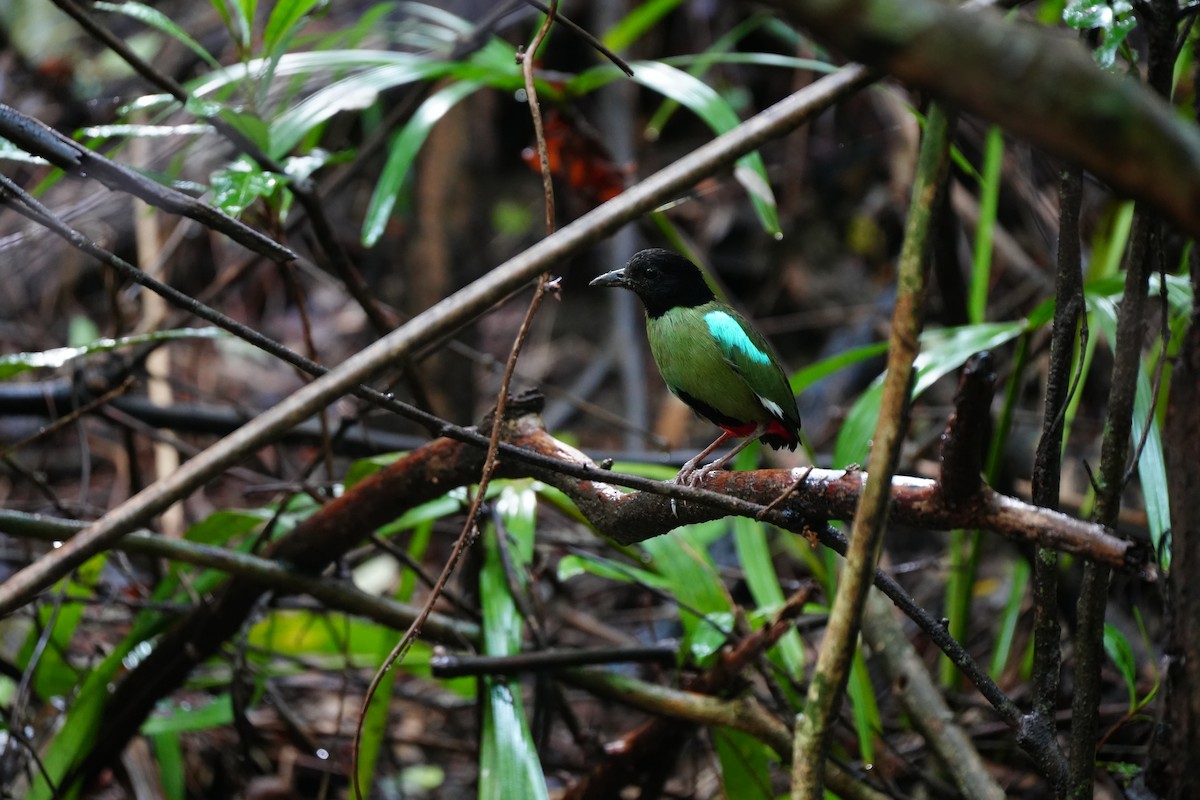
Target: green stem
813,729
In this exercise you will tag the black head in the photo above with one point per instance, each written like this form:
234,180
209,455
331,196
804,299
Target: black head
662,279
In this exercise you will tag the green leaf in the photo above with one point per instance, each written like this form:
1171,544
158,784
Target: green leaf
1152,470
81,331
705,610
353,93
493,65
250,125
806,377
246,11
156,19
570,566
183,717
502,619
700,99
375,730
705,103
753,59
863,706
1088,14
53,675
717,53
508,761
639,20
145,131
241,184
301,168
1118,649
284,22
754,555
1114,20
16,363
745,765
942,351
981,263
168,754
403,151
1009,618
78,730
221,527
453,502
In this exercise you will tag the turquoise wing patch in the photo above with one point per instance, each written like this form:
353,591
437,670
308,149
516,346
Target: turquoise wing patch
732,338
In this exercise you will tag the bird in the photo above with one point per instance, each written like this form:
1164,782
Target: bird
710,357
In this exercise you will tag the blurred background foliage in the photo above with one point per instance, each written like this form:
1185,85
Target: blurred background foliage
411,120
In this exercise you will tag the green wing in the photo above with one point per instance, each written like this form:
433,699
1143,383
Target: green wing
711,353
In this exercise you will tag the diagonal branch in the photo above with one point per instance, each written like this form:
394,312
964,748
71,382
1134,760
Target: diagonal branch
814,727
430,325
1028,80
40,139
432,470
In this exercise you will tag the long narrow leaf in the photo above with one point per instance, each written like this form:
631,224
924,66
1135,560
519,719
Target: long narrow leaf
16,363
942,351
745,765
1152,470
403,151
508,761
683,560
981,261
640,19
754,555
284,22
157,19
705,103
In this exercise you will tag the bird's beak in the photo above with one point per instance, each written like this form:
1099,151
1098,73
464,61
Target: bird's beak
614,278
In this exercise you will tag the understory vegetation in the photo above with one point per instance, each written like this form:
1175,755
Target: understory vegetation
324,473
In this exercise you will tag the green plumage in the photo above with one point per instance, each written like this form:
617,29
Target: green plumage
708,354
744,387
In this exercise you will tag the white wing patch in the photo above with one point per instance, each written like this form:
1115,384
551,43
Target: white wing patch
770,405
726,330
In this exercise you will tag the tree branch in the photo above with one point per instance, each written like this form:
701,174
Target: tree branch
1028,80
429,326
445,463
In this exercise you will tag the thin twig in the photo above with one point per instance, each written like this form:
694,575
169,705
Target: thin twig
268,573
426,327
35,137
301,188
814,729
68,418
470,530
1047,465
587,37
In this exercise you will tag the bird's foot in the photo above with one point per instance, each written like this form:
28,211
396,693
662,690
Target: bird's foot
691,475
685,477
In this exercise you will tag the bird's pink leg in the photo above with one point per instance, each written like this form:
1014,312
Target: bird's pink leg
689,473
685,474
721,462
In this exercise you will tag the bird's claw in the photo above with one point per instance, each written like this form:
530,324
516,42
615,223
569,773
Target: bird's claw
691,476
694,476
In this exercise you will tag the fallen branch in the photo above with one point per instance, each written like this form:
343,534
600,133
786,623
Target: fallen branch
444,464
